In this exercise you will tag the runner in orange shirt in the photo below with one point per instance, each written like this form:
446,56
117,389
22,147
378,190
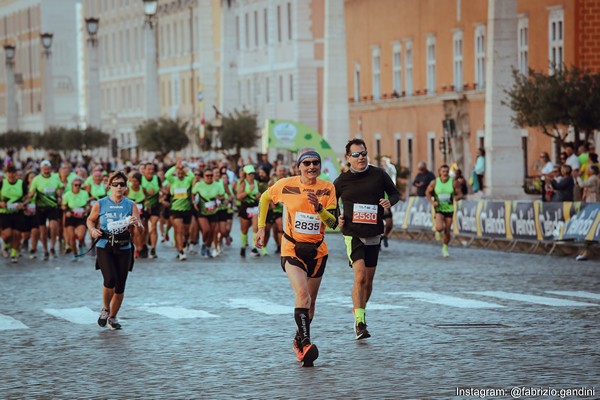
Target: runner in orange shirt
309,204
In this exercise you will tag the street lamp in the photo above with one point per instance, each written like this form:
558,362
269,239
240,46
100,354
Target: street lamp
150,7
151,76
11,104
94,105
46,39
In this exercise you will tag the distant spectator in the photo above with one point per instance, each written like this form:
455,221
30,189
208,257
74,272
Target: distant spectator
563,188
479,168
591,186
572,159
423,179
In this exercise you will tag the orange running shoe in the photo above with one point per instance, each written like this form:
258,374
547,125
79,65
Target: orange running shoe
309,354
297,346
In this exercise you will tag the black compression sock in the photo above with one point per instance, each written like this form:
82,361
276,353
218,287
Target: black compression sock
303,324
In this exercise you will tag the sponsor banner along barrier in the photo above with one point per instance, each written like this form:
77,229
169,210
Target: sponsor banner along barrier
513,220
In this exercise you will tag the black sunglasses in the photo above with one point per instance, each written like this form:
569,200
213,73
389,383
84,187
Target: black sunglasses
357,154
115,184
208,175
308,163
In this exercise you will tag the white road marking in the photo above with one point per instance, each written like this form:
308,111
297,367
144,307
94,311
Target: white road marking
575,293
528,298
81,315
347,301
261,306
178,312
446,300
9,323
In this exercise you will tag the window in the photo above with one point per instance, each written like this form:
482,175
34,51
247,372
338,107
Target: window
408,75
376,54
237,33
357,82
256,28
409,147
267,92
397,68
523,45
247,29
266,24
480,56
280,88
431,64
457,50
398,149
555,39
279,24
431,150
289,15
525,149
291,87
378,148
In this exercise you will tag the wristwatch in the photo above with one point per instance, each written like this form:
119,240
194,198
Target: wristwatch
320,208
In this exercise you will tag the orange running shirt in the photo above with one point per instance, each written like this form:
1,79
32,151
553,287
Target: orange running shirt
300,220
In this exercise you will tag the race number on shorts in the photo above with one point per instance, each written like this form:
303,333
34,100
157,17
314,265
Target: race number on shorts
364,214
307,223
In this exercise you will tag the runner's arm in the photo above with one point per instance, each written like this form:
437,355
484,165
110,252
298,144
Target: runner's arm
263,209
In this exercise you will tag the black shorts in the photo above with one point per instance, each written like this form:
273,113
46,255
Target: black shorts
164,212
186,216
222,215
48,214
74,221
30,222
155,210
210,218
276,215
357,250
315,268
445,214
270,217
12,220
243,213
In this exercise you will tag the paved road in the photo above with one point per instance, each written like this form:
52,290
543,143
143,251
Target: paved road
222,328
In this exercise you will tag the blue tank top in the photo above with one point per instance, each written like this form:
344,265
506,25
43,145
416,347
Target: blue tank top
113,217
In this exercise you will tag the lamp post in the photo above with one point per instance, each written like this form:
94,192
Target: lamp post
11,104
94,104
151,75
48,80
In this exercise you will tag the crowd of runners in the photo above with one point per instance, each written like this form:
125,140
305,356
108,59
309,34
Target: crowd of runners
122,215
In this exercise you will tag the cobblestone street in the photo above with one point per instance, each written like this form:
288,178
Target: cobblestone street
222,328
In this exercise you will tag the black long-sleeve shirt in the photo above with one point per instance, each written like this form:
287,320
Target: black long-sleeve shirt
364,188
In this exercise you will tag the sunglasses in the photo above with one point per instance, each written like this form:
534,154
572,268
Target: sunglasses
78,185
309,163
357,154
208,175
121,184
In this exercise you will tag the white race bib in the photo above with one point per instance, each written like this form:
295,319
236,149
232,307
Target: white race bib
31,208
78,212
12,206
179,193
364,214
210,206
252,211
140,207
307,223
444,197
49,190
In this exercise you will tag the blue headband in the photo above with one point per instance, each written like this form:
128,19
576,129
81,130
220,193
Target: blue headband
308,154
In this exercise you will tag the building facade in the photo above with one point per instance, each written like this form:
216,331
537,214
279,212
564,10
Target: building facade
413,64
47,88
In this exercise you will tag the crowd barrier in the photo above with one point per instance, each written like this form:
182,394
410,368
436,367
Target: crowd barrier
513,222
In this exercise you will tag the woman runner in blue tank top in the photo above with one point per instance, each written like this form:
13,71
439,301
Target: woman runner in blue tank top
115,214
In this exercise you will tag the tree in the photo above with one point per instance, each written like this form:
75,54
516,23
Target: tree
569,97
240,131
93,138
162,135
15,140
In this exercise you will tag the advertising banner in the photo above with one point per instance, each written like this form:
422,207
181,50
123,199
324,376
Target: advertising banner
294,136
550,219
522,221
493,219
419,215
583,225
465,217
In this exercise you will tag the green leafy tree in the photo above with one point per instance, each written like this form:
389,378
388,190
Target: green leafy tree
162,135
15,140
239,131
93,138
568,98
